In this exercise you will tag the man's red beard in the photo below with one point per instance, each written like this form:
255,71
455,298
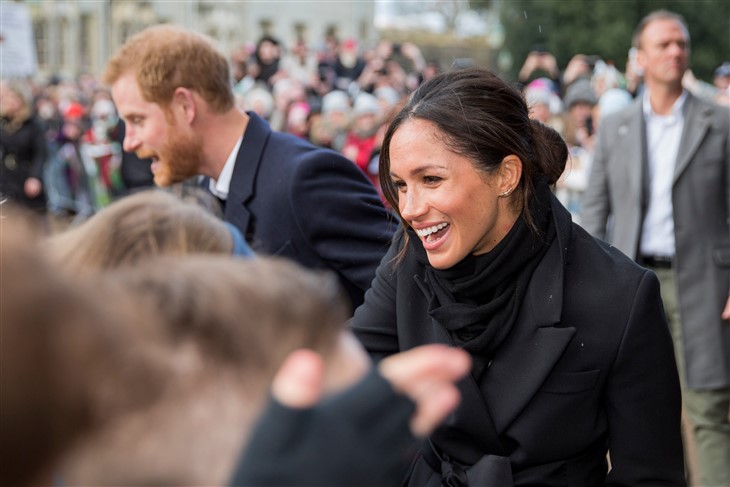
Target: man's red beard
179,160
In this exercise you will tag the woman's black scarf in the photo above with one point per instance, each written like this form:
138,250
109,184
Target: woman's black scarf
478,299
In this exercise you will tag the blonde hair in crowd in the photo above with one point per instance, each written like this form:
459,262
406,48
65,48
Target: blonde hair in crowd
137,227
165,57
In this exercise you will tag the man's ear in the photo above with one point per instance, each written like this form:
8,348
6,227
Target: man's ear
510,172
185,103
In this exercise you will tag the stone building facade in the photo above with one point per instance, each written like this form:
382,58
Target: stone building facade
77,36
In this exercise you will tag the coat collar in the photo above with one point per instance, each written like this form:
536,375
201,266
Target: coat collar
529,354
248,160
698,119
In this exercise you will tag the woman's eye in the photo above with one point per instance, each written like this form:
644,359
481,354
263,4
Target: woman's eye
399,185
431,179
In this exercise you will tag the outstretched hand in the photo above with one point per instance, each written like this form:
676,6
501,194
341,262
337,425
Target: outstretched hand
424,374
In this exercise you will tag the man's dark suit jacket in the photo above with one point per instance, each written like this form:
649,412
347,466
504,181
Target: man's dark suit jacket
588,366
292,199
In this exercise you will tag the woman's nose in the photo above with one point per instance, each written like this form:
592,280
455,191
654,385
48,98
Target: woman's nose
411,206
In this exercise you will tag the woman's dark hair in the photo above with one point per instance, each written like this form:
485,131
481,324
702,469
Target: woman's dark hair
484,119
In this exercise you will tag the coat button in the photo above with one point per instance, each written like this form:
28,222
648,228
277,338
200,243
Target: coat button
10,162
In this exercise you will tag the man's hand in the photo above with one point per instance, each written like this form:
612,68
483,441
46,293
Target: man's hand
726,311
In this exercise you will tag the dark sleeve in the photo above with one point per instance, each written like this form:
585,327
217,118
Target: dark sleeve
354,229
39,147
374,323
357,438
643,399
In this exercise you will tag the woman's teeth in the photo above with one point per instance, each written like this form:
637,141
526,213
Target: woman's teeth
428,232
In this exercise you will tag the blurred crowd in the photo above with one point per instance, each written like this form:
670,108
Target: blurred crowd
61,141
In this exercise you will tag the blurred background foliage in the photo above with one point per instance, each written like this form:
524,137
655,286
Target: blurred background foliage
605,27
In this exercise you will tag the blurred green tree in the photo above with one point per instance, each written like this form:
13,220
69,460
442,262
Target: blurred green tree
604,28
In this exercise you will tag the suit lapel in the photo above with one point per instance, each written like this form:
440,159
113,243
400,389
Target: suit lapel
535,345
242,186
696,123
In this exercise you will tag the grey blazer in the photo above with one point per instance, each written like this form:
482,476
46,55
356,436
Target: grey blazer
614,207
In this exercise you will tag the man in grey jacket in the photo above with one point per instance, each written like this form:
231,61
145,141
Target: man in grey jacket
660,192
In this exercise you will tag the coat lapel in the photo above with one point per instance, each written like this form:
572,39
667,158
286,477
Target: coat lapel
631,132
535,345
694,132
242,186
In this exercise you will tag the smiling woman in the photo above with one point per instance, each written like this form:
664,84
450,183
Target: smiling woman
565,333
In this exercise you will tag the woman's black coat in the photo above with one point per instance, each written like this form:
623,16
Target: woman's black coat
587,368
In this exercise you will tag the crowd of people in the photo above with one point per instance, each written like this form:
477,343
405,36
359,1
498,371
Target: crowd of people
337,94
518,263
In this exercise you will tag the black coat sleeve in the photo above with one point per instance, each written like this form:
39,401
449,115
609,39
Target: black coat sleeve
643,398
360,437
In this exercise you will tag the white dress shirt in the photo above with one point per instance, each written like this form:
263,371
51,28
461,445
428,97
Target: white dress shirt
663,134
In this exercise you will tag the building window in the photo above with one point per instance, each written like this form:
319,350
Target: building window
300,31
85,42
40,32
67,57
332,32
267,27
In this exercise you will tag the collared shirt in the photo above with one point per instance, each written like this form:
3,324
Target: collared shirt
222,185
663,134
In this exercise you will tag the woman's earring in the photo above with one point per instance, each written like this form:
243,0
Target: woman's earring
506,193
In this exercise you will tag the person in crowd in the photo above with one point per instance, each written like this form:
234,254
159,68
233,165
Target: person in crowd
661,176
297,119
101,144
580,66
23,147
139,226
260,101
571,350
361,139
265,63
147,374
605,77
286,92
224,361
539,62
721,81
348,66
335,121
286,196
300,63
72,184
226,325
66,351
579,102
388,98
544,103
